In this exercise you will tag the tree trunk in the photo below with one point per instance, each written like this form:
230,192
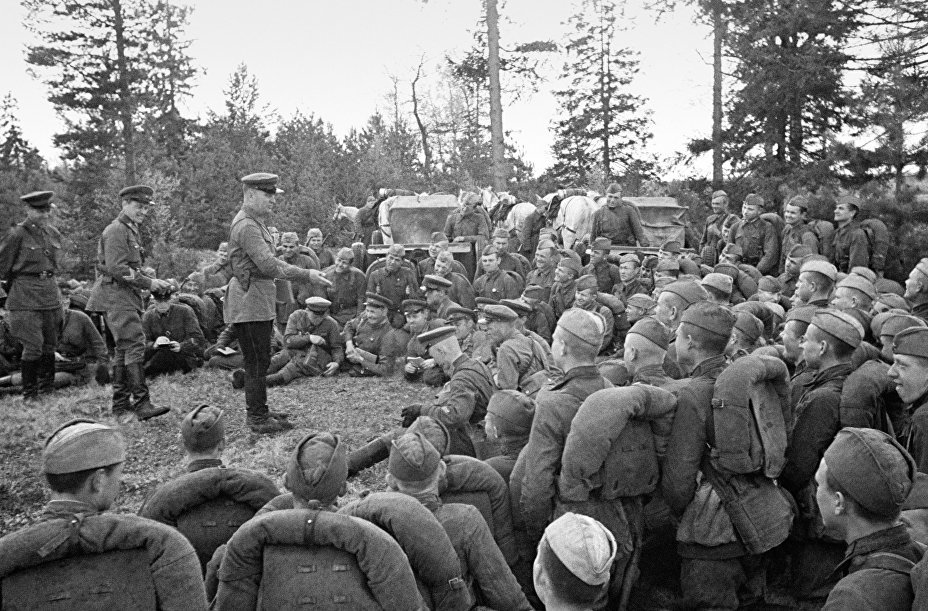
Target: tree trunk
500,177
423,132
605,89
718,34
125,94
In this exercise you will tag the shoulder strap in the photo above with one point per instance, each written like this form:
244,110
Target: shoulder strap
576,393
890,562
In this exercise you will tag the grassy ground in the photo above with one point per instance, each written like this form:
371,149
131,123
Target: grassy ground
357,409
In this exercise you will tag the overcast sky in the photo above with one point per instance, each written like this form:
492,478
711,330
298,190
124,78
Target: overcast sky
333,59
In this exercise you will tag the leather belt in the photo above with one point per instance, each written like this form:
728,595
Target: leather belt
43,275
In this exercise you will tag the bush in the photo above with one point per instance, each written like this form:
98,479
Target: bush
171,261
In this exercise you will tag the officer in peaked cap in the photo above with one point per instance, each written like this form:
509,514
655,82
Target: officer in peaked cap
369,338
28,263
437,290
250,304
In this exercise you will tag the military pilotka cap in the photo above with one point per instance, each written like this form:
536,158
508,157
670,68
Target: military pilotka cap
800,201
671,246
711,317
588,327
859,283
80,445
318,468
584,546
139,193
377,300
866,272
802,313
587,282
719,195
412,458
820,267
262,181
922,267
543,244
435,336
434,431
872,468
318,304
414,305
642,301
39,200
599,244
749,326
770,284
652,330
850,200
689,291
499,232
512,412
203,428
720,282
894,301
912,342
894,324
754,199
570,264
456,313
534,291
630,258
840,325
439,237
733,249
432,281
498,312
799,252
667,265
518,306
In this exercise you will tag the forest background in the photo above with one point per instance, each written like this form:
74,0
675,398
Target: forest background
819,97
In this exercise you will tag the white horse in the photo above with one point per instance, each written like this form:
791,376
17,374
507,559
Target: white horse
515,218
574,220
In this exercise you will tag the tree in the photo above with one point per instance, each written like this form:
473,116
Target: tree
603,122
22,168
497,146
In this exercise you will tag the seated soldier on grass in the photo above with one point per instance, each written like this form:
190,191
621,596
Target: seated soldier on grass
419,365
314,345
415,468
173,338
520,363
508,424
371,345
128,561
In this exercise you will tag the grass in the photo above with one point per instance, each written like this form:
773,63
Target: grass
357,409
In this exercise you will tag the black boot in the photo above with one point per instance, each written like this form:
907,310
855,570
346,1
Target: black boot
122,393
30,373
369,455
141,403
47,373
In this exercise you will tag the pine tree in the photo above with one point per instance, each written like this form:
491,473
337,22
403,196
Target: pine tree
22,168
603,122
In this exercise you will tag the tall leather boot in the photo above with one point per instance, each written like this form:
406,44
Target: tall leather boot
369,454
30,373
141,403
47,373
122,393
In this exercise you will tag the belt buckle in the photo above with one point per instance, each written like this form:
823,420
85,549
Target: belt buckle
45,275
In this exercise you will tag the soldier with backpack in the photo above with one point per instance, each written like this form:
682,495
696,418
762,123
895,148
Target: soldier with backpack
797,230
849,244
862,481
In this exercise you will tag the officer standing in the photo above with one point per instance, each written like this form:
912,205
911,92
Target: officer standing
250,297
118,293
28,261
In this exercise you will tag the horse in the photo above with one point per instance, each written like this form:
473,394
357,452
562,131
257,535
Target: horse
504,211
574,220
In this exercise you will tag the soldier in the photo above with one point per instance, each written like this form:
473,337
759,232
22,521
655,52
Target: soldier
415,468
28,263
854,293
531,228
719,287
585,299
173,338
618,220
473,342
250,296
83,464
118,292
666,270
541,320
849,244
916,289
519,361
394,281
314,241
718,571
575,556
496,283
746,335
314,345
462,291
645,352
510,262
467,224
438,245
462,404
757,237
672,250
564,289
419,366
436,289
638,306
791,265
671,303
816,280
371,346
607,274
630,273
508,423
546,260
797,230
292,253
909,372
348,287
709,247
863,480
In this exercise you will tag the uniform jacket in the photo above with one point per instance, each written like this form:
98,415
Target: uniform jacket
302,289
607,275
120,251
866,587
800,233
462,402
562,297
300,327
850,247
471,226
427,266
543,278
346,293
541,321
711,236
79,338
539,464
760,243
515,263
395,286
442,310
173,563
462,291
501,284
517,358
531,229
178,324
26,249
624,290
378,343
917,437
620,224
253,262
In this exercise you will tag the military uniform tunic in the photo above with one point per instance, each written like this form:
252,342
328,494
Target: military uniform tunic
760,244
28,262
607,275
472,226
81,343
543,278
517,359
500,284
562,297
395,286
850,247
377,343
461,405
346,293
620,224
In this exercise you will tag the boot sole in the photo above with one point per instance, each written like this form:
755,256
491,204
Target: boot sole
159,412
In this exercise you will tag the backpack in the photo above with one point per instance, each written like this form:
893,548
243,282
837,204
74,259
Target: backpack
916,571
750,409
878,241
823,230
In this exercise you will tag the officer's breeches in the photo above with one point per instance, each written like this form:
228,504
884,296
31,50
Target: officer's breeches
126,327
36,330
